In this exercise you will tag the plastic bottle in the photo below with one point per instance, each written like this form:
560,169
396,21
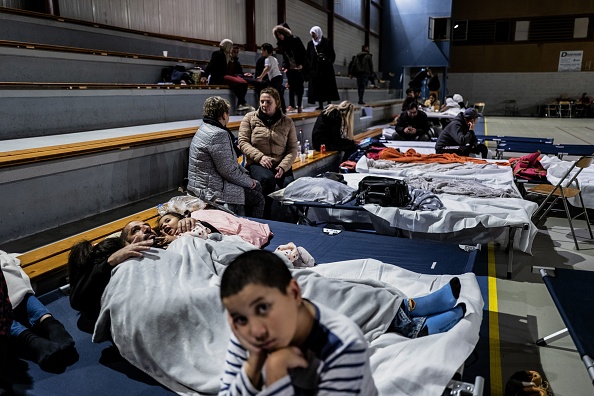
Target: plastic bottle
306,146
299,147
300,138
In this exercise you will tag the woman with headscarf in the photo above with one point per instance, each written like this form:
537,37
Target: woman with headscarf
294,63
334,128
221,70
322,82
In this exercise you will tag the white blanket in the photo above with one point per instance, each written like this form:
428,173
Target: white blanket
466,219
556,168
164,315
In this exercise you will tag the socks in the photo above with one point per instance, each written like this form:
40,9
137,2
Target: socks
442,322
53,330
44,352
441,300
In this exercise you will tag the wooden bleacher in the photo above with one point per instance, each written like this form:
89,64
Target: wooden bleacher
20,157
51,260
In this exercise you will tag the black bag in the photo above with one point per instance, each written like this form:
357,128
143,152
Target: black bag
382,191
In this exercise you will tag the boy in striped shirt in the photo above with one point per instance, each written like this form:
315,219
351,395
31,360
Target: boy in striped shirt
283,344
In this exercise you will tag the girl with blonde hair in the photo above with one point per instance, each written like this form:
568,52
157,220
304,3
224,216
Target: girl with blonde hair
335,129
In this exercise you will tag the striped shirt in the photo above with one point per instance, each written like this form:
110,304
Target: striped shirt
338,363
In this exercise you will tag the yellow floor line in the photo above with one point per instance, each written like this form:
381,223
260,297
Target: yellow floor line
494,347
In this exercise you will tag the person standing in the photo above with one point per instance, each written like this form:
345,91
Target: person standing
271,72
433,84
321,57
294,63
362,69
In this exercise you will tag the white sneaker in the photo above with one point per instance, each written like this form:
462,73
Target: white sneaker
243,107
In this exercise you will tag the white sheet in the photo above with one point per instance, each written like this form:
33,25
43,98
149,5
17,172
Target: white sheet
174,294
556,168
489,217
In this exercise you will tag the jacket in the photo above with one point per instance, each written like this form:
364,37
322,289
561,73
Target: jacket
216,68
292,49
420,121
456,133
279,141
366,63
213,170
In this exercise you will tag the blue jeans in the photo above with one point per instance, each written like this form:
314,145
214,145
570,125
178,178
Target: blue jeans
405,325
26,314
361,85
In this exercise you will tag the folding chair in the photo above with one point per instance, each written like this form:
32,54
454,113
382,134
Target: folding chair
563,190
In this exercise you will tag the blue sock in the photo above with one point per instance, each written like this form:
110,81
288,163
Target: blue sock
442,322
441,300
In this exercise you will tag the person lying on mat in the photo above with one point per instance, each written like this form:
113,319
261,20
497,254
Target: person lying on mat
282,341
89,266
213,220
35,334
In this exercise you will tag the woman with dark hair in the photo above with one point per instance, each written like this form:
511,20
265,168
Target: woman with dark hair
267,138
294,63
322,82
221,70
334,128
213,171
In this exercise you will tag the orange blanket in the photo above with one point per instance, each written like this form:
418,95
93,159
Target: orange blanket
411,155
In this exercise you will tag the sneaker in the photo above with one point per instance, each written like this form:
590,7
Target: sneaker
361,103
243,107
290,109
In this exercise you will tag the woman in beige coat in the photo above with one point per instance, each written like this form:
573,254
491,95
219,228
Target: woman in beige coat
267,138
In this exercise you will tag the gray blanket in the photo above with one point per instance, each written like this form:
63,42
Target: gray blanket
164,314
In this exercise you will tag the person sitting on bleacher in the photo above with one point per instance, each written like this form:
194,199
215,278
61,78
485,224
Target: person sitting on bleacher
412,124
334,128
221,70
213,171
458,136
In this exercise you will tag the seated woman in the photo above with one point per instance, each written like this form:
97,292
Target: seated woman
432,103
213,171
334,128
221,70
34,332
267,138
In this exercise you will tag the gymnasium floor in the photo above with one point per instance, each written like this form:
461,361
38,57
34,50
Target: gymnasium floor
521,310
517,311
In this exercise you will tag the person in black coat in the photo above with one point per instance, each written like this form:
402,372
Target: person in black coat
321,57
334,128
294,63
458,136
412,124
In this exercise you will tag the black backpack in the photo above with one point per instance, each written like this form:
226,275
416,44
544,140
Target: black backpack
383,191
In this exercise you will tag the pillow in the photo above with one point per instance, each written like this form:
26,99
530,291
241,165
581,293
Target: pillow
315,189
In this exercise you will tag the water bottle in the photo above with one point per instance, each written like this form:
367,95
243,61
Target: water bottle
299,147
300,138
306,147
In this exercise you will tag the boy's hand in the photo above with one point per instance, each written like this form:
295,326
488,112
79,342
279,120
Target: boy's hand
256,359
280,361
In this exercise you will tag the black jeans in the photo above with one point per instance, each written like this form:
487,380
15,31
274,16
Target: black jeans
361,85
266,178
295,80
